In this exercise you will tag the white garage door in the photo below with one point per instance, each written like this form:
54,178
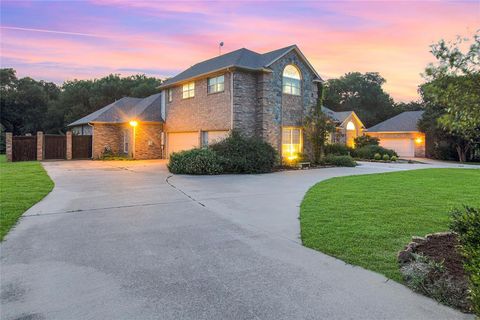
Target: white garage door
403,147
182,141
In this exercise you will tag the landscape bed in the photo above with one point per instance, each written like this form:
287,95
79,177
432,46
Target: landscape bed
366,220
22,185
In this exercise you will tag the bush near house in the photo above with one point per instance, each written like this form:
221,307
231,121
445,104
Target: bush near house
337,149
242,154
235,154
339,161
195,161
366,140
368,152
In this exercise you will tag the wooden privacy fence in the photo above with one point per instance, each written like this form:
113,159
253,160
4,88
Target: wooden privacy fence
49,146
55,147
24,148
81,147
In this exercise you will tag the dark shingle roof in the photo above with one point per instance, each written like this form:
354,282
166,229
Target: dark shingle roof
338,116
241,58
126,109
403,122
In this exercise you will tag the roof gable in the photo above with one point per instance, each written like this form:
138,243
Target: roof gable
403,122
126,109
241,58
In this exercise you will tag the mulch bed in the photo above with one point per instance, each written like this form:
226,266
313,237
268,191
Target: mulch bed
443,248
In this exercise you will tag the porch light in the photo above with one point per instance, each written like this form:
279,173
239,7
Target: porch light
133,123
418,140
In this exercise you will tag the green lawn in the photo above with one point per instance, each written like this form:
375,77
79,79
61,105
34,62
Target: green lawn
365,220
22,184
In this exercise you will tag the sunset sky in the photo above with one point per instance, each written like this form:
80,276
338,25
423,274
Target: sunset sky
64,40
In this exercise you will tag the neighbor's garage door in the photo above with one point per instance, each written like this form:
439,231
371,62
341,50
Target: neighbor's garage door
182,141
403,147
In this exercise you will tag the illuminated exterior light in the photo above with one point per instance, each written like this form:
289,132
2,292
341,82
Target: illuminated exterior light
133,123
419,140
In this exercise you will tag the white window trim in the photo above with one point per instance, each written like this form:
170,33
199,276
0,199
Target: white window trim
216,85
188,88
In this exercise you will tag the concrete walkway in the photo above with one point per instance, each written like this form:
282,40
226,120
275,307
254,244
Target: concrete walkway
124,240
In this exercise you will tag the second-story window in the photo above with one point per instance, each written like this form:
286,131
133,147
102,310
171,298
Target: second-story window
291,80
216,84
170,95
188,90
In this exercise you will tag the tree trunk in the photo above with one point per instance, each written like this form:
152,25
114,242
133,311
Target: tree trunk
462,152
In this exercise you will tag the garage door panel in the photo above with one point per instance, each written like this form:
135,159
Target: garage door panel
182,141
403,147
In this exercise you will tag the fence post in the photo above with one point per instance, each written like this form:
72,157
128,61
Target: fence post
9,145
40,145
69,145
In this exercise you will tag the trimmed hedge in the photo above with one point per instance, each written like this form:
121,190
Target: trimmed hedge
235,154
466,223
340,161
368,152
242,154
195,161
337,149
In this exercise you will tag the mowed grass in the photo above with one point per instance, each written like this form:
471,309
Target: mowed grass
365,220
22,184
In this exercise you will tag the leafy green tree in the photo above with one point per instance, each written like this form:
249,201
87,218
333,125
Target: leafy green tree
453,86
318,127
362,93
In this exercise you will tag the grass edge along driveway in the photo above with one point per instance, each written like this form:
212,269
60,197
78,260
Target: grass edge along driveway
366,219
22,184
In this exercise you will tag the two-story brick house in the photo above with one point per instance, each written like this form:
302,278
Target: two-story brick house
265,95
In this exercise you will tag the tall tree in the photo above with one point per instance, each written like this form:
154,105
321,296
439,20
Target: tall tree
362,93
453,85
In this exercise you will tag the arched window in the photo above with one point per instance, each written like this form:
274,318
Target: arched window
291,80
350,126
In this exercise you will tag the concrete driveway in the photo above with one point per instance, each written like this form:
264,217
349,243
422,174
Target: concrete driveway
124,240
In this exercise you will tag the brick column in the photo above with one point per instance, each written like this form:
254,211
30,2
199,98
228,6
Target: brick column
40,145
69,145
9,145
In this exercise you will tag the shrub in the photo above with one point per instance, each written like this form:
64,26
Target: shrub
241,154
195,161
337,149
394,158
386,157
368,152
466,223
377,156
366,140
340,161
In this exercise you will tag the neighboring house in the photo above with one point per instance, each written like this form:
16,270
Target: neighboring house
401,134
264,95
112,131
348,126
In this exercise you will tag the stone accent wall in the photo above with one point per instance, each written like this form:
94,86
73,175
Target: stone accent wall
419,147
245,102
69,145
9,146
203,112
40,144
148,141
280,109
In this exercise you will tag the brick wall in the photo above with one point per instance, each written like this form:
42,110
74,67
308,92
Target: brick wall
203,112
245,102
108,136
148,141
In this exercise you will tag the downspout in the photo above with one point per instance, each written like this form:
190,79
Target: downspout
231,99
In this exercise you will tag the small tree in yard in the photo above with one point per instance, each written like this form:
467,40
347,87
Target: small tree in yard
453,84
317,127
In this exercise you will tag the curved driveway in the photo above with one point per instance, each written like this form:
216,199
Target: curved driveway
123,240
